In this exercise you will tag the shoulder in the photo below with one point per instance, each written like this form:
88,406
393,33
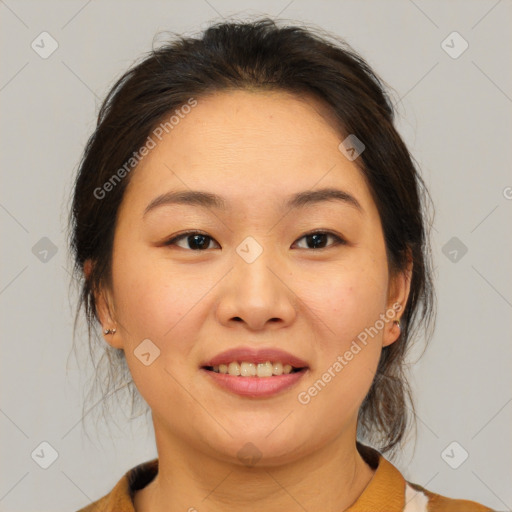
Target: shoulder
389,491
419,499
120,498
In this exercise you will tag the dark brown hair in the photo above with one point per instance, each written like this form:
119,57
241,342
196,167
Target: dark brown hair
262,55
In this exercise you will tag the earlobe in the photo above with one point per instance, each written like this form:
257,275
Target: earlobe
107,318
399,294
106,315
391,333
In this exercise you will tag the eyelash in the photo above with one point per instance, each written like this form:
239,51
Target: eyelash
337,239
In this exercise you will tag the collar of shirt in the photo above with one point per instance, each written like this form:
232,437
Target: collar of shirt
387,491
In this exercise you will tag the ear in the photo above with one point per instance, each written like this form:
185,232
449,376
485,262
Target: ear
105,311
399,289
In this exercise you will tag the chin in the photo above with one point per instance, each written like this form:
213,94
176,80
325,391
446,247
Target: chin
259,447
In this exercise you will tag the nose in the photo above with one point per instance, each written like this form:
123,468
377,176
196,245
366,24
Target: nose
257,293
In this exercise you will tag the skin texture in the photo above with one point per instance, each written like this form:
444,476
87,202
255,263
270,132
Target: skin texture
255,149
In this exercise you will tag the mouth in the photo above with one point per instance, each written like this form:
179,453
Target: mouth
245,369
255,373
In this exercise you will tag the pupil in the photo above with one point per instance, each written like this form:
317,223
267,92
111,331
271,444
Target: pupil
315,238
199,244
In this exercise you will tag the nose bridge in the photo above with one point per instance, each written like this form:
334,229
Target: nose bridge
252,265
256,293
250,250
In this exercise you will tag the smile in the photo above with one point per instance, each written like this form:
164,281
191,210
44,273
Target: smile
247,369
252,386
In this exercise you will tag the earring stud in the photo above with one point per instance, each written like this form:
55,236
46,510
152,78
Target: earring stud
109,331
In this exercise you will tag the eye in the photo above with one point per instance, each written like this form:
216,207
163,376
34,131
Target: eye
196,240
318,239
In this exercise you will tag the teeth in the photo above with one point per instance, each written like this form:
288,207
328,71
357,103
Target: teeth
264,369
277,369
248,370
245,369
234,368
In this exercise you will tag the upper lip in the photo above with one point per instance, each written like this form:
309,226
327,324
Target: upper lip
252,355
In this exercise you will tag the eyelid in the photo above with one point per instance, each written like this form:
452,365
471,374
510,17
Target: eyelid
339,240
185,234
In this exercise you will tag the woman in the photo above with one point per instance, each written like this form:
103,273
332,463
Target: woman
250,232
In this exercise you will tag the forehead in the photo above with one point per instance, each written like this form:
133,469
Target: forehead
250,146
245,123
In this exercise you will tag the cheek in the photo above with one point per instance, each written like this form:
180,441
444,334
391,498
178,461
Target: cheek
155,300
347,299
349,305
153,296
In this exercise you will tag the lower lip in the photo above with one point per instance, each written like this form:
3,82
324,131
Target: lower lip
255,387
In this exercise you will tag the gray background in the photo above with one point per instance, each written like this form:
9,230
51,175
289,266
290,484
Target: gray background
455,117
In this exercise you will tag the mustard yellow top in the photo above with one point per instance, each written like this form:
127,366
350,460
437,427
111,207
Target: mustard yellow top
387,491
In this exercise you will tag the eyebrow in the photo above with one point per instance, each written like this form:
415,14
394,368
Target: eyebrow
214,201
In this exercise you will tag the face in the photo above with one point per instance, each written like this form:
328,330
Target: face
255,278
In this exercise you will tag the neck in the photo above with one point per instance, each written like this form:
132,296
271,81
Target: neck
330,478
